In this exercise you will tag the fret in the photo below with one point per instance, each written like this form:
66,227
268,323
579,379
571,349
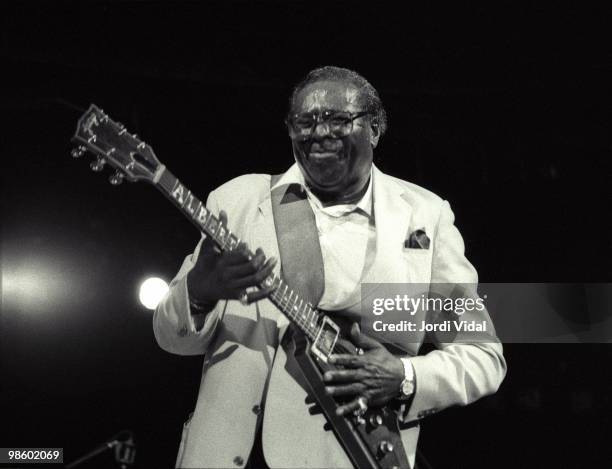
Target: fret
178,193
218,228
227,237
303,315
315,317
232,242
211,225
296,313
202,215
289,300
166,181
312,323
291,306
194,210
221,236
191,203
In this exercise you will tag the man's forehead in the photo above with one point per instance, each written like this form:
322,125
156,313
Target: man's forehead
327,94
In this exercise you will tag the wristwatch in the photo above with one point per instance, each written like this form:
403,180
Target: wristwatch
407,385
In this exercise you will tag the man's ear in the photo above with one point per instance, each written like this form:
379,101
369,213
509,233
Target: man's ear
375,136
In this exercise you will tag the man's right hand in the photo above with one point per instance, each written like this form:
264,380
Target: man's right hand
226,275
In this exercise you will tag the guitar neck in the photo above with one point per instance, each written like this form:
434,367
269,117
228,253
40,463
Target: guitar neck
299,311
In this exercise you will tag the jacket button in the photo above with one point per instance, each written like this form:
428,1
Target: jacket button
238,461
256,410
182,332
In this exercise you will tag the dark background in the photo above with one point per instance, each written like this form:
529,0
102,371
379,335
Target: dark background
505,111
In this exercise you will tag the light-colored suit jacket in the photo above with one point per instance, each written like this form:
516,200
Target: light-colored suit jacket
248,378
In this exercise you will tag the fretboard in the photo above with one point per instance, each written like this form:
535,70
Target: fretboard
300,312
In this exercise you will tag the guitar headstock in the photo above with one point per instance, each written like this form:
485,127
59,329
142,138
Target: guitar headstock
133,159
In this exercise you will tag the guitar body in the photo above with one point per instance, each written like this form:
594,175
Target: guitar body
372,441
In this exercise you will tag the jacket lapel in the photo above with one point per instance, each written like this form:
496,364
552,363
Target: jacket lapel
392,214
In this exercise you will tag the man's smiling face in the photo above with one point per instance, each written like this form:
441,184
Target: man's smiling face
336,169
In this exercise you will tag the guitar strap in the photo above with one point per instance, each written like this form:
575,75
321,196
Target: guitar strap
298,240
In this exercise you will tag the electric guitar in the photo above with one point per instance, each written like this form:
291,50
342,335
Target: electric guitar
371,440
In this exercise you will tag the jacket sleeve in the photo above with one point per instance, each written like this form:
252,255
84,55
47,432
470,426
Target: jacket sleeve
176,329
467,367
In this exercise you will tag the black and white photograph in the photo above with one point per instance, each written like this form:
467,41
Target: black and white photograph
306,234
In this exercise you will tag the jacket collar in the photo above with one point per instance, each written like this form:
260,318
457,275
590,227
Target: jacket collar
390,198
294,176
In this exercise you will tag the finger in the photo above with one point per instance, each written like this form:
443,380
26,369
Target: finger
237,271
223,217
238,252
258,295
351,361
343,376
362,340
259,259
239,255
208,248
258,277
349,408
237,294
345,390
244,249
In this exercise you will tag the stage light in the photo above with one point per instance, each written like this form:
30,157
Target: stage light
39,284
152,290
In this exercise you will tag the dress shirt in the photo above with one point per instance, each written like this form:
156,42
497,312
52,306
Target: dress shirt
347,235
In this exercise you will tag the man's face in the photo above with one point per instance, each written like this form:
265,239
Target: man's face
335,169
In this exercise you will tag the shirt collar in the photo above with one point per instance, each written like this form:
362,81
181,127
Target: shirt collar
294,176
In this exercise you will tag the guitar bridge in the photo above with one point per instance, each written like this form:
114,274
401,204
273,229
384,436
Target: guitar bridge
326,339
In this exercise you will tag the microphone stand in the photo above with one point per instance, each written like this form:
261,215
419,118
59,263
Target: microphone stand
123,447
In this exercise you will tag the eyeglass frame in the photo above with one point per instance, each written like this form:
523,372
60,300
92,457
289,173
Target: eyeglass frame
318,119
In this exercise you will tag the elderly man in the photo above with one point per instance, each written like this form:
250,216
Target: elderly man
346,223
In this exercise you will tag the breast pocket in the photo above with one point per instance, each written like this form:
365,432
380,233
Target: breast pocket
418,264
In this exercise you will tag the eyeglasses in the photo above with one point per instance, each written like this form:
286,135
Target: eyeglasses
339,123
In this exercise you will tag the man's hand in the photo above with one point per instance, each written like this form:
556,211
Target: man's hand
226,275
376,375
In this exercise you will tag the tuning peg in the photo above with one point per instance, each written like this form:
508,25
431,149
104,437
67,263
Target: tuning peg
98,164
116,178
78,151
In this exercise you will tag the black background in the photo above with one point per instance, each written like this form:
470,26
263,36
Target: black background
504,111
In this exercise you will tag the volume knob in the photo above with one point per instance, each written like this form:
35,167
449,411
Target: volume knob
376,420
385,446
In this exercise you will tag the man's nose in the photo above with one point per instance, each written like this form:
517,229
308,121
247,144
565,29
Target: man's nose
321,130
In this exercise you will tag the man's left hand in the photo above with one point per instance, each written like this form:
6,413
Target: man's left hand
376,375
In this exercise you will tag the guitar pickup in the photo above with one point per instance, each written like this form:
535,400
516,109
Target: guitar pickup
325,341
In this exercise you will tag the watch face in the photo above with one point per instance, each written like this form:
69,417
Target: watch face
407,388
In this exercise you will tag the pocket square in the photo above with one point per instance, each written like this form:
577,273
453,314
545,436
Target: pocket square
418,239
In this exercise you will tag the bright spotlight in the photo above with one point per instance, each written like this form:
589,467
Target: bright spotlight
152,290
